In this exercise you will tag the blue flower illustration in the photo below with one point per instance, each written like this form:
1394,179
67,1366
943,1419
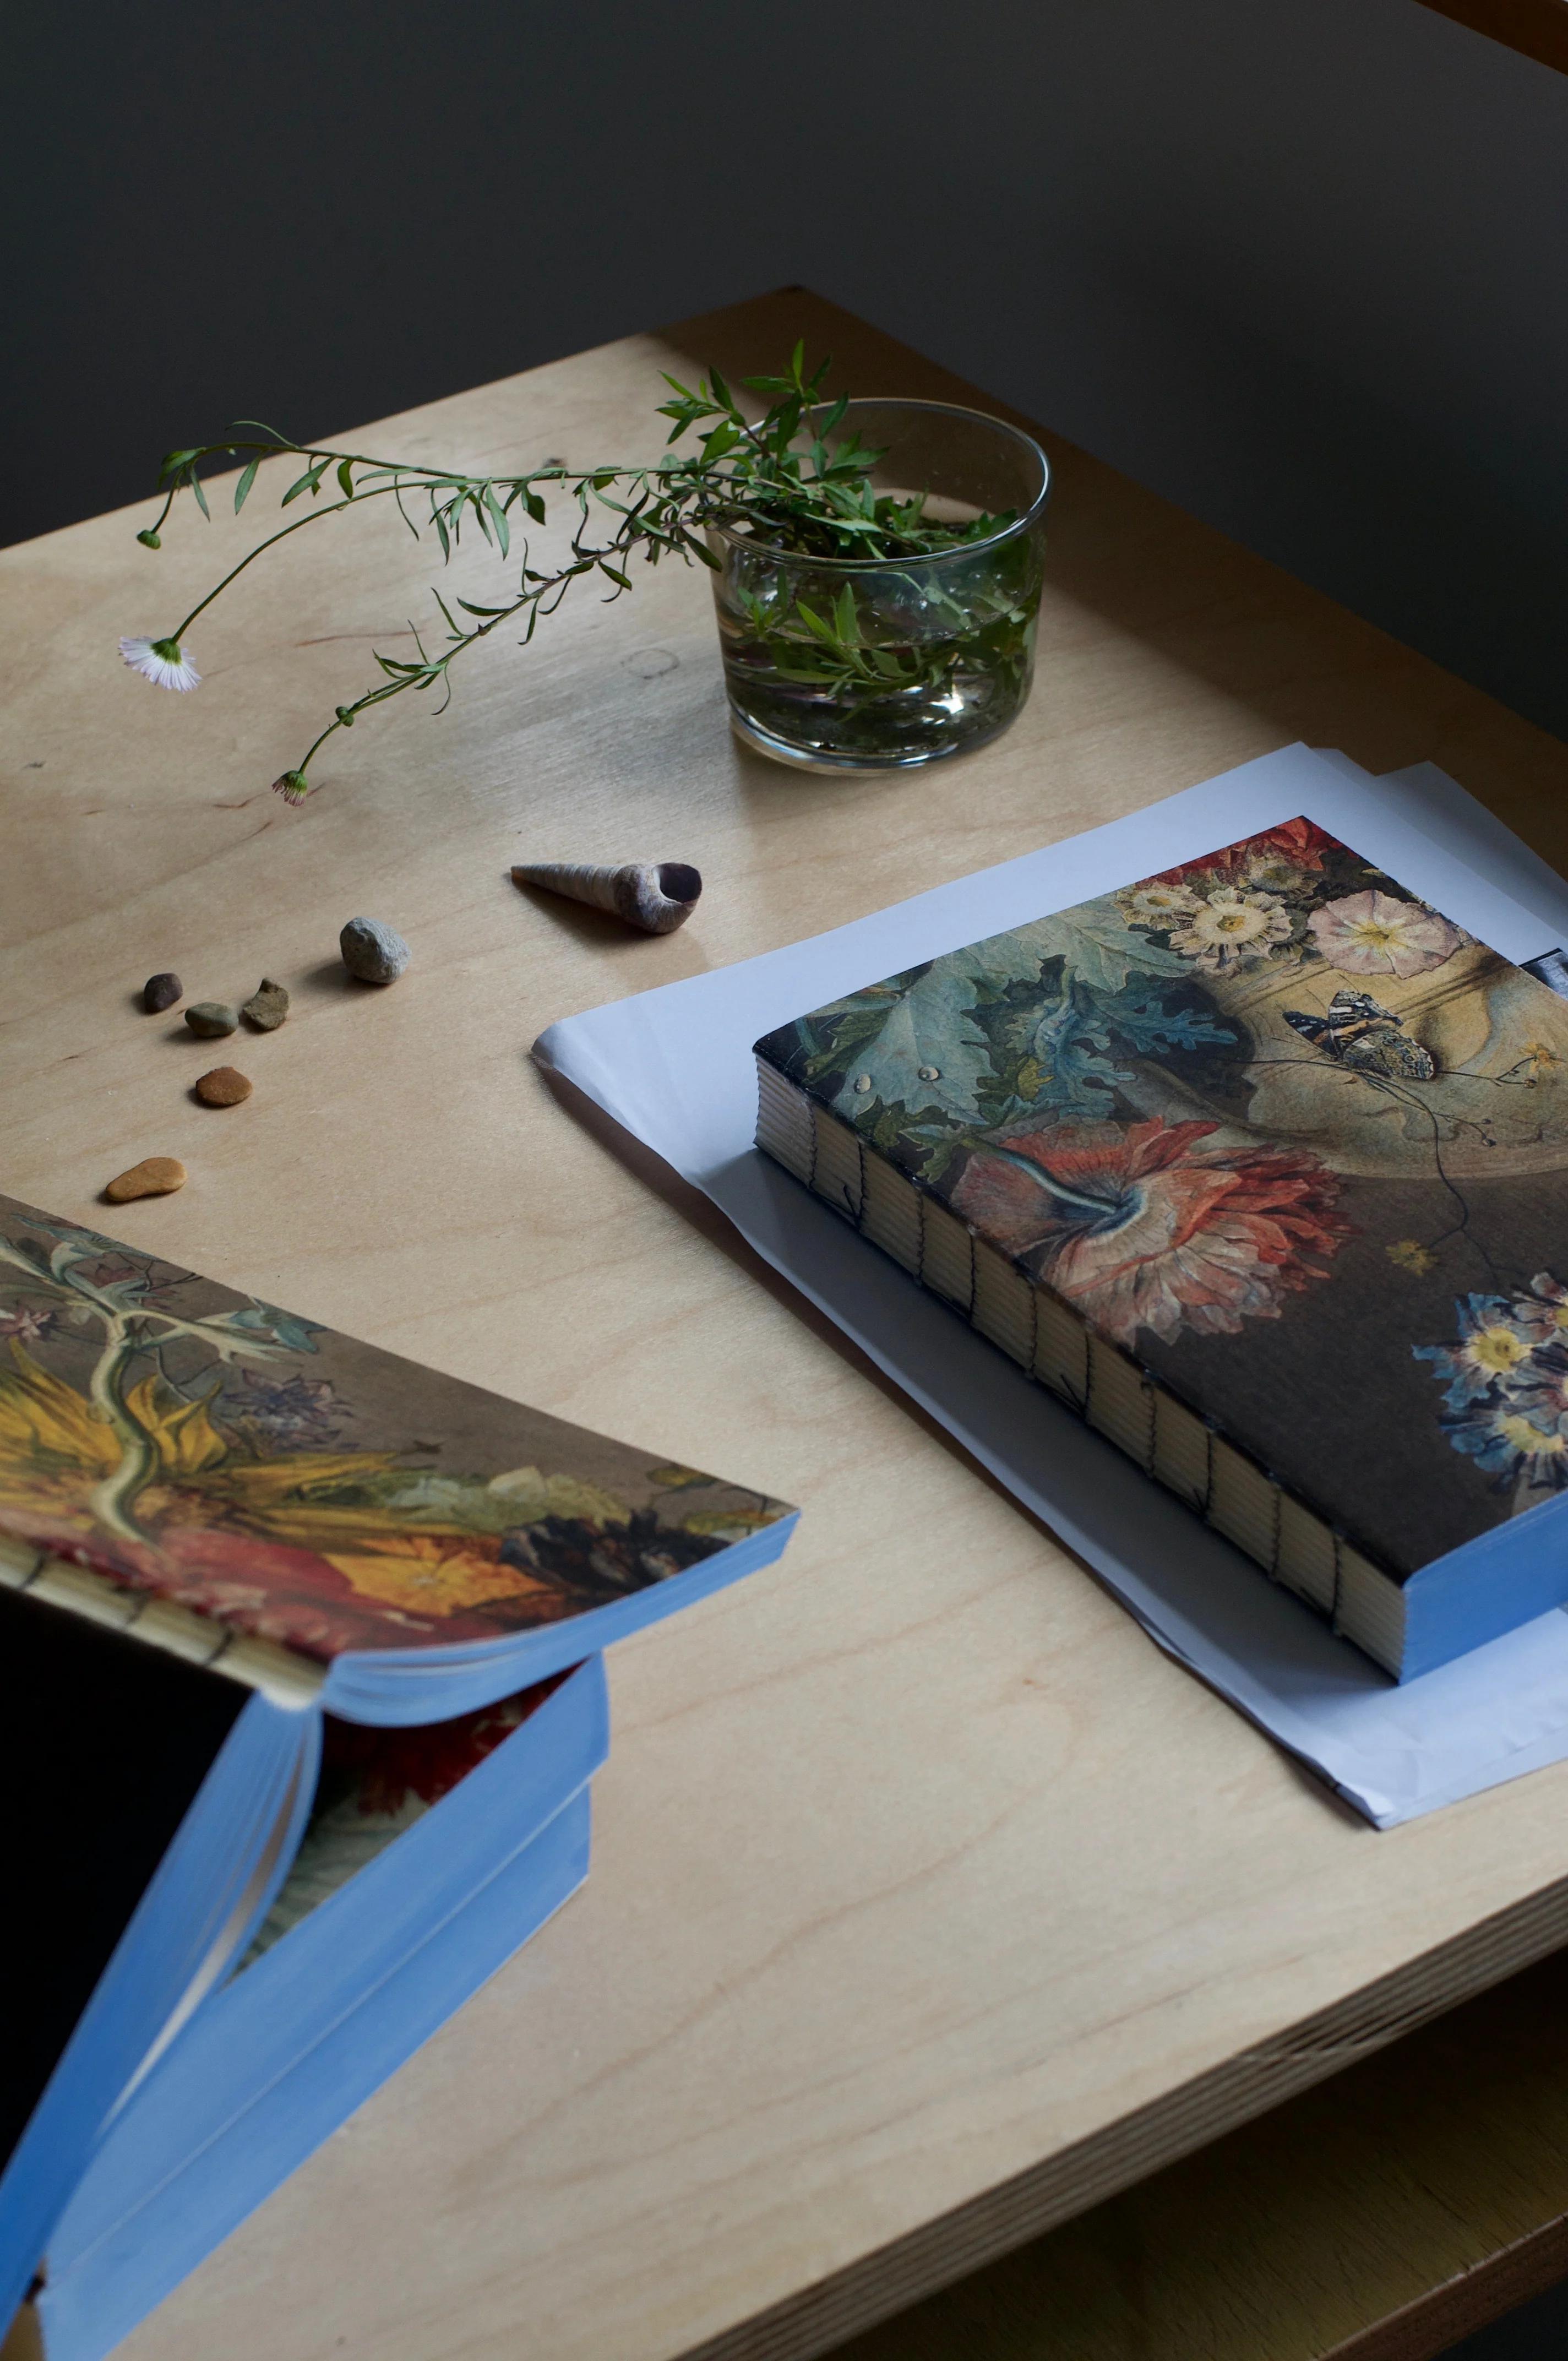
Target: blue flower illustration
1494,1351
1507,1401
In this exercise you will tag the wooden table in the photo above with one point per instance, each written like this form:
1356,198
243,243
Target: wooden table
931,1903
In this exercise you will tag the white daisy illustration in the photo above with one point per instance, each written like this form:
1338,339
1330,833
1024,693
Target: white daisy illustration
1233,929
1156,905
160,661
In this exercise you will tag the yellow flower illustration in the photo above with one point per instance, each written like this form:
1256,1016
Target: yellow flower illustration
1523,1435
186,1438
430,1574
1496,1349
1411,1254
40,1414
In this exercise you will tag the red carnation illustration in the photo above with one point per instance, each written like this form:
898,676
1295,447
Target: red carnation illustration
1289,854
1139,1227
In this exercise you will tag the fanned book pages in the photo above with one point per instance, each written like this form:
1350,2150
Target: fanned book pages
225,1530
1261,1166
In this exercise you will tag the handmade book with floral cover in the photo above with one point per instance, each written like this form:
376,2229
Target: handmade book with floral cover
237,1547
1261,1166
255,1489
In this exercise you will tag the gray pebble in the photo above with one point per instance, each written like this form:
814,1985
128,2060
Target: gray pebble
211,1019
372,952
160,991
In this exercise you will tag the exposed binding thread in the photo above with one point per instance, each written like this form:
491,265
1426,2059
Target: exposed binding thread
1060,1382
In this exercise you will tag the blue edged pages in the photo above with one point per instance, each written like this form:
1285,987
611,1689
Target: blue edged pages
1261,1165
225,1532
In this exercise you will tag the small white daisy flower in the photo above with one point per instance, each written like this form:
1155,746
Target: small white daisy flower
162,661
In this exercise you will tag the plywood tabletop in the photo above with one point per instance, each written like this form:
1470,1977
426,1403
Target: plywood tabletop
1411,2200
930,1902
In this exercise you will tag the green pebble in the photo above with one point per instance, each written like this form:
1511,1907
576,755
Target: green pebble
211,1020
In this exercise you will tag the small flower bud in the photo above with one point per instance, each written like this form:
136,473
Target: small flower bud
150,540
293,786
345,715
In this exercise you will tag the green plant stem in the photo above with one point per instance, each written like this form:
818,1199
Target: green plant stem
110,1500
809,503
311,516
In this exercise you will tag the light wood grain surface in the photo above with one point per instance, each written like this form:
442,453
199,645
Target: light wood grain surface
930,1902
1379,2217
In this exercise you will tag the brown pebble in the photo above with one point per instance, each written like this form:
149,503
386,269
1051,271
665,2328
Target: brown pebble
267,1007
155,1176
160,991
223,1086
211,1019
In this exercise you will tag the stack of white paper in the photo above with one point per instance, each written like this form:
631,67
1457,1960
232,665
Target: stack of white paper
674,1067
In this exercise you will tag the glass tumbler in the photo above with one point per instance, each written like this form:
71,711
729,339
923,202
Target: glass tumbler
872,663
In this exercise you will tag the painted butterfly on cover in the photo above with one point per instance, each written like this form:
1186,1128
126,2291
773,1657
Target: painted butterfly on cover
1358,1033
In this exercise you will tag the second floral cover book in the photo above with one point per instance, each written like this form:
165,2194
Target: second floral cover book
1289,1138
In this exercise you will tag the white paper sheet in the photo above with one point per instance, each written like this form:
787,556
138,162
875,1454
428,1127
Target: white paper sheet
674,1067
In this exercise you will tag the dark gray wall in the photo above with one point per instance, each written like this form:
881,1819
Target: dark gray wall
1299,263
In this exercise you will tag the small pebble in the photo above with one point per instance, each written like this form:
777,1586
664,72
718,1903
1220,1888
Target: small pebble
211,1020
224,1086
155,1176
372,952
267,1007
160,991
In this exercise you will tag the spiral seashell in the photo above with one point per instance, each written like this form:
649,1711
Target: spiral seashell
657,895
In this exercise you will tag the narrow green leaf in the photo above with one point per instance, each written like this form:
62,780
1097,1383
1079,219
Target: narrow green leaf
614,573
242,490
301,484
816,623
500,514
200,496
345,478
